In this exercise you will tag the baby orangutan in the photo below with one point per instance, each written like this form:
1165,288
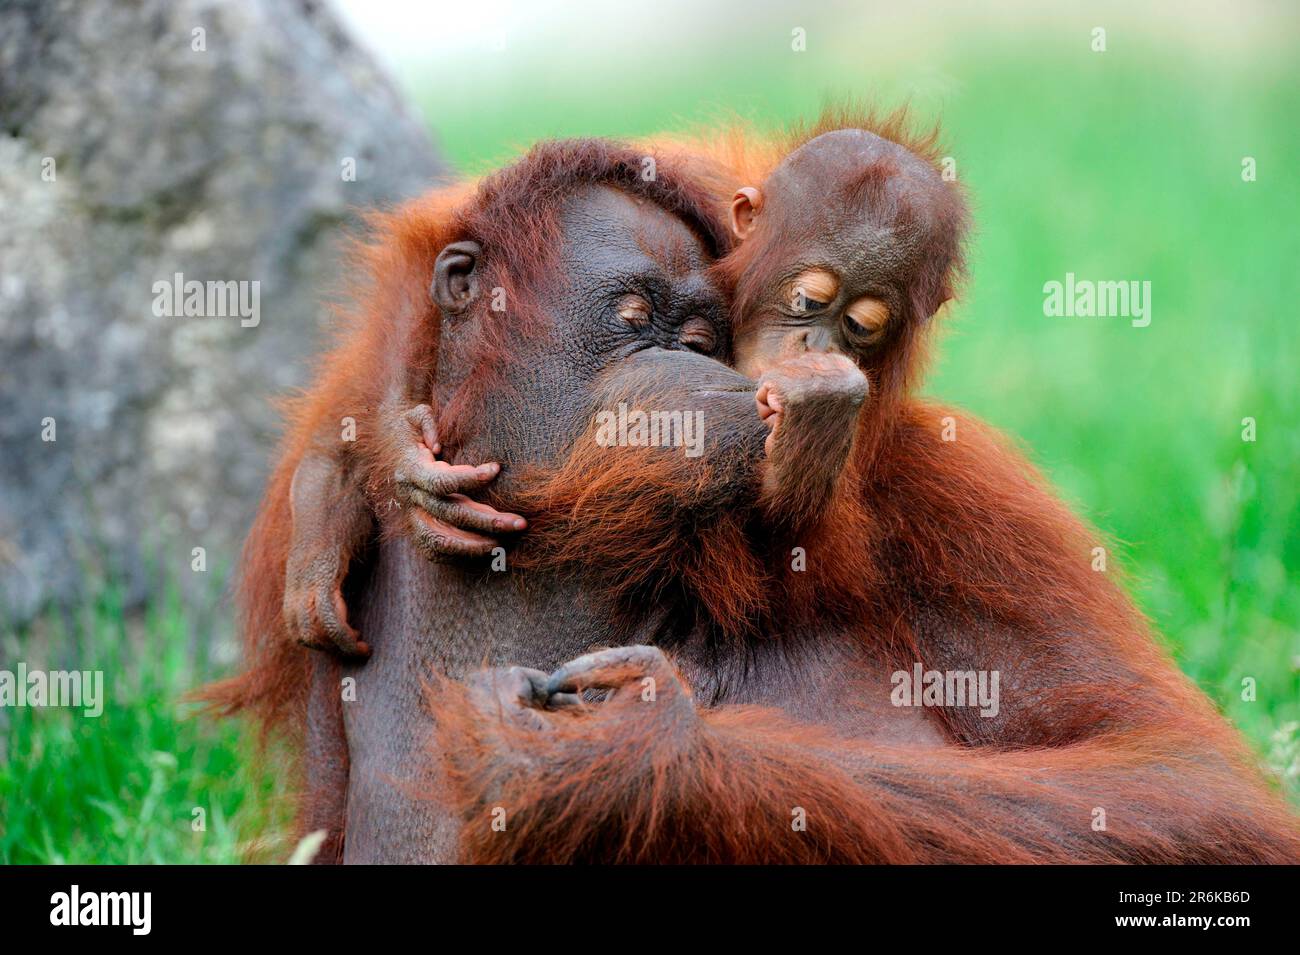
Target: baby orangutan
845,251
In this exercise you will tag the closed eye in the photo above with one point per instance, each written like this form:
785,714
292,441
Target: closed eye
865,318
804,302
697,334
635,310
811,291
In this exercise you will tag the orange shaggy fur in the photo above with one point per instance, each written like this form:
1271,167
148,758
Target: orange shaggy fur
965,531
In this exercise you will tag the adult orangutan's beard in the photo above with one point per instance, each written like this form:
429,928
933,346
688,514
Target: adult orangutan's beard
644,520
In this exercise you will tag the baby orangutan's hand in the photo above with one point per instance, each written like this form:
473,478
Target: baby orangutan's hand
810,405
822,388
443,520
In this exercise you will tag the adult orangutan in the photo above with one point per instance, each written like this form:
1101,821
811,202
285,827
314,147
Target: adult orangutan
949,554
529,375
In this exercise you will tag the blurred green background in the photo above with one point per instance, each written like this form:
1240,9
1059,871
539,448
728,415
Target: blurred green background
1123,164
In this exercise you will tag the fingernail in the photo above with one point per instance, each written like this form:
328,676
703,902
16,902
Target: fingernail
519,523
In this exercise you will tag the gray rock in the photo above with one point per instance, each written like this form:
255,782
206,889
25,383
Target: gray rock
219,156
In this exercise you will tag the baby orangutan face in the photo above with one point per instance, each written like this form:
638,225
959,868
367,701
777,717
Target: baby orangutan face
809,313
838,247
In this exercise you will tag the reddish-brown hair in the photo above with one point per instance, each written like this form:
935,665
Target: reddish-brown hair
386,350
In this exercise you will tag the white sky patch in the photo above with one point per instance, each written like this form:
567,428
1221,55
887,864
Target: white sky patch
404,32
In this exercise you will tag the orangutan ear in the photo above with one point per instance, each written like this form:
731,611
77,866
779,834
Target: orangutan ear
745,206
455,282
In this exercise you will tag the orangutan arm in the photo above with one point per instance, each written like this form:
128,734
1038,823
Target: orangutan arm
332,521
647,777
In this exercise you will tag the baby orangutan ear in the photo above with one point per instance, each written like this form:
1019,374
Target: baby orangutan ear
745,207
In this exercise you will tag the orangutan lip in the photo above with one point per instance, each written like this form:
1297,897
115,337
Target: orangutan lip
714,392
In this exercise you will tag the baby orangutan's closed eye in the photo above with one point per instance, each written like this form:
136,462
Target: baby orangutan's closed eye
865,318
812,289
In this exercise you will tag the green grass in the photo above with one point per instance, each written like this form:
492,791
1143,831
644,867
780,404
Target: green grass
123,787
1123,165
